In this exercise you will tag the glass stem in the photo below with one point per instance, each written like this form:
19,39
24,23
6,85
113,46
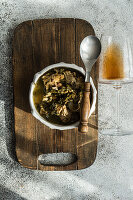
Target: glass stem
118,106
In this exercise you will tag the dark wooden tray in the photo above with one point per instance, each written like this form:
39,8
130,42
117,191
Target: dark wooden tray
37,44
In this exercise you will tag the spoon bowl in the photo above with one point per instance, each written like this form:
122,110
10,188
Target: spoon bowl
90,49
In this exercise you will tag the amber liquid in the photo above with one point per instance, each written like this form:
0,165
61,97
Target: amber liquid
113,66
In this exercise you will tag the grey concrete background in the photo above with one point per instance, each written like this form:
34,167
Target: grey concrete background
111,176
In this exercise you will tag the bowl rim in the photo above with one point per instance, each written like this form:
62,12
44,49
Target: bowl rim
32,106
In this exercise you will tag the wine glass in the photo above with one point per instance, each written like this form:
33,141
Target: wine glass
116,69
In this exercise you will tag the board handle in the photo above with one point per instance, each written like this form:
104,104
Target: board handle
57,159
85,109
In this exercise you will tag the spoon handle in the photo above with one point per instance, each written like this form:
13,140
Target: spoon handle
85,109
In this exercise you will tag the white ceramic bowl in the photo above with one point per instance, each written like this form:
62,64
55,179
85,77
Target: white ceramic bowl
35,112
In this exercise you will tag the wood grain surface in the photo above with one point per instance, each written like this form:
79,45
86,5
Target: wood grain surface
85,109
37,44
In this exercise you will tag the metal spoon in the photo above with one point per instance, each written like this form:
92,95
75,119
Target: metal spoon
90,49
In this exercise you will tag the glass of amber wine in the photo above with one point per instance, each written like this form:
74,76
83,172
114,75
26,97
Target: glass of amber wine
116,68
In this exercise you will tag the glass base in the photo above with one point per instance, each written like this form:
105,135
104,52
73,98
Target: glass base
116,132
116,82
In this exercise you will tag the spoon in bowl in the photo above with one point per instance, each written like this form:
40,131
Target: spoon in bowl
90,49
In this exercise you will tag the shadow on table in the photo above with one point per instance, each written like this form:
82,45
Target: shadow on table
7,125
7,194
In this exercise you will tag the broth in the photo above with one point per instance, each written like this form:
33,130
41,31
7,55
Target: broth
113,67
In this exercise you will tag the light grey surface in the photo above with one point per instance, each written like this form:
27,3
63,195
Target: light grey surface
111,176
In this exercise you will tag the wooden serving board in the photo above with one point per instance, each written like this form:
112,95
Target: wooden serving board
37,44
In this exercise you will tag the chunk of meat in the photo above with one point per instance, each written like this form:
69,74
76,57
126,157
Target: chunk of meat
63,112
66,118
56,78
79,83
53,80
69,77
48,97
43,111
